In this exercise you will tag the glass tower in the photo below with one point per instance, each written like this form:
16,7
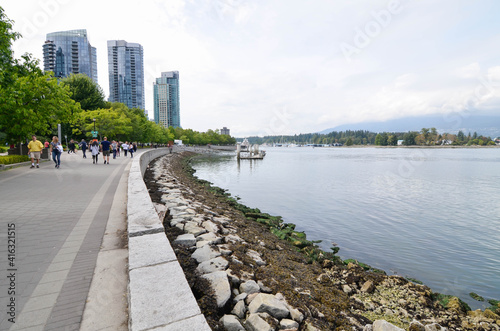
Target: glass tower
126,73
69,52
166,95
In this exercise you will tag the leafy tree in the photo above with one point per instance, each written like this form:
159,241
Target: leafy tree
409,138
85,91
31,102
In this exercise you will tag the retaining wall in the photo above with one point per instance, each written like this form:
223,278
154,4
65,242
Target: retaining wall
158,293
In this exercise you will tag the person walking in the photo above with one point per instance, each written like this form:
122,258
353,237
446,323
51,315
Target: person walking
71,146
83,146
114,147
54,150
105,146
34,149
125,148
94,149
131,150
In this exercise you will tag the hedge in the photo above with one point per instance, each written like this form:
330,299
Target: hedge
11,159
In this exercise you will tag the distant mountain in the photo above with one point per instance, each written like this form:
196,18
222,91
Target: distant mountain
488,126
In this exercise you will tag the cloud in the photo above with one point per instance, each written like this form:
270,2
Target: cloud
243,63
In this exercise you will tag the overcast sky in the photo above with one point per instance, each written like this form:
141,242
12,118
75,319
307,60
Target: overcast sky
285,67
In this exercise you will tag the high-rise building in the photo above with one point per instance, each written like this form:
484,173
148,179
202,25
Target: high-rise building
126,73
225,131
166,95
69,52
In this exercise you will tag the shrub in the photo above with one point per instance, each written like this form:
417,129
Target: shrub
4,149
11,159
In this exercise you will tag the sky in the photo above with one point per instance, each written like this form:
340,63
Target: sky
265,67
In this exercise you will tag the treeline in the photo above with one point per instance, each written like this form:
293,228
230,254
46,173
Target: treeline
425,137
35,102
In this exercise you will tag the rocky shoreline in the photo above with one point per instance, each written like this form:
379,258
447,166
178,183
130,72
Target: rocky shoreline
251,271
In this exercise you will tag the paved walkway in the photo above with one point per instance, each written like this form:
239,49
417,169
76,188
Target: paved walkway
58,218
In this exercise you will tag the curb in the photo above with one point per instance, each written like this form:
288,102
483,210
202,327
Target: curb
17,165
158,293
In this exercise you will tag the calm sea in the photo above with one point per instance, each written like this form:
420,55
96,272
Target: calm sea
430,214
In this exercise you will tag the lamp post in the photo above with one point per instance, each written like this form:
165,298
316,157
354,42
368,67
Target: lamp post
66,137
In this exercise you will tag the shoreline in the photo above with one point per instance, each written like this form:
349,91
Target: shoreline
345,284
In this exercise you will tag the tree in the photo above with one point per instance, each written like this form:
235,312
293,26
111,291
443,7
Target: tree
409,138
85,91
31,102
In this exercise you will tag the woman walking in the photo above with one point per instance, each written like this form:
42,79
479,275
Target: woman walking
56,155
94,148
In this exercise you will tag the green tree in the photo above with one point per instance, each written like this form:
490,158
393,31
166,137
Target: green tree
409,138
85,91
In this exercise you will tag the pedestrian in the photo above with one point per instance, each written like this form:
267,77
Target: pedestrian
83,146
71,146
135,147
54,150
94,149
131,150
46,144
34,149
119,147
125,148
105,146
114,147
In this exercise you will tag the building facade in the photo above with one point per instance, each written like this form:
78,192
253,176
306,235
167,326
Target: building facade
69,52
126,73
225,131
166,99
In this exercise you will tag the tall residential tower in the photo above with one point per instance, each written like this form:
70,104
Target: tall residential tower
126,73
69,52
166,95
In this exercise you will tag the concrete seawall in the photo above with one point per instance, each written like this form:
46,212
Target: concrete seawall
159,295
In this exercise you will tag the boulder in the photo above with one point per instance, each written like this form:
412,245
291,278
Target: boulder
416,326
368,287
239,309
286,324
205,253
220,285
211,237
231,323
193,228
254,255
186,240
213,265
268,303
249,287
255,323
211,226
382,325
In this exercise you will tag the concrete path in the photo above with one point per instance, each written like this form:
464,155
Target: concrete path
52,223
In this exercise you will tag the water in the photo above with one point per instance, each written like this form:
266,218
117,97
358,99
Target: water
430,214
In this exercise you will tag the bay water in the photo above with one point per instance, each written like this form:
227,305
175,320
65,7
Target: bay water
432,214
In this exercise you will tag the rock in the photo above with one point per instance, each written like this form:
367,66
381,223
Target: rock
382,325
368,327
211,226
239,309
256,257
193,228
250,298
220,285
264,288
186,240
217,264
368,287
286,324
433,327
416,326
456,305
255,323
239,297
346,288
205,253
296,315
231,323
308,326
211,237
268,303
233,239
249,287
